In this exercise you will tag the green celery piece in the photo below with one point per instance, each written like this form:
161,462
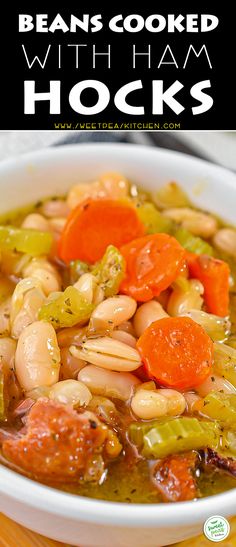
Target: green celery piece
77,268
110,271
218,328
228,441
221,407
23,240
153,220
228,372
176,435
68,309
137,430
225,361
192,243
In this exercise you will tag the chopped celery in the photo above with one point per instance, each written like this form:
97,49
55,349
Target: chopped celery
153,220
228,441
110,271
137,430
77,268
171,195
192,243
221,407
68,309
217,327
159,439
225,362
23,240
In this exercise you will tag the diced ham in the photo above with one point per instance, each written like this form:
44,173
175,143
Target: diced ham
173,477
58,442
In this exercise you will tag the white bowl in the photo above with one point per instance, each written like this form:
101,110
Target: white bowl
74,519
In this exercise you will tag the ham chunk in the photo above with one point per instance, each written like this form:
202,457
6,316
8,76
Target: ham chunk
174,477
57,442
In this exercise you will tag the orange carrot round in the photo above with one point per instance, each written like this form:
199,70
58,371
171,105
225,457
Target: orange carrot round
176,352
214,275
94,225
152,263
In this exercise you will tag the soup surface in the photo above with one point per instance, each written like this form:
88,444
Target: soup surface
118,344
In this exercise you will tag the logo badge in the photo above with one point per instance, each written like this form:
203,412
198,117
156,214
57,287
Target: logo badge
216,528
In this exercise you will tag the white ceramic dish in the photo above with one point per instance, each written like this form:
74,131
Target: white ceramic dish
73,519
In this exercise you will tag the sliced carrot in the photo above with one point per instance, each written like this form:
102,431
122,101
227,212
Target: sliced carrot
94,225
214,275
176,352
152,263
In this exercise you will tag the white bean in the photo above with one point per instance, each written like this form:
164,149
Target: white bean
25,307
47,275
81,192
110,185
198,223
175,401
192,400
119,385
124,337
35,221
70,392
70,366
115,185
225,240
127,326
87,285
149,404
57,224
103,407
215,383
146,314
182,300
108,353
37,358
38,392
112,312
171,195
22,287
7,352
55,208
71,336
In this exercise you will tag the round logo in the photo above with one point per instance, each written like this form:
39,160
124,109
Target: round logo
216,528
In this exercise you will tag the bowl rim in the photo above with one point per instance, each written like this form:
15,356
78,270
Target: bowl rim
53,501
57,149
57,502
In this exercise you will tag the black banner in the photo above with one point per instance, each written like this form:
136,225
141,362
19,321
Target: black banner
83,67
